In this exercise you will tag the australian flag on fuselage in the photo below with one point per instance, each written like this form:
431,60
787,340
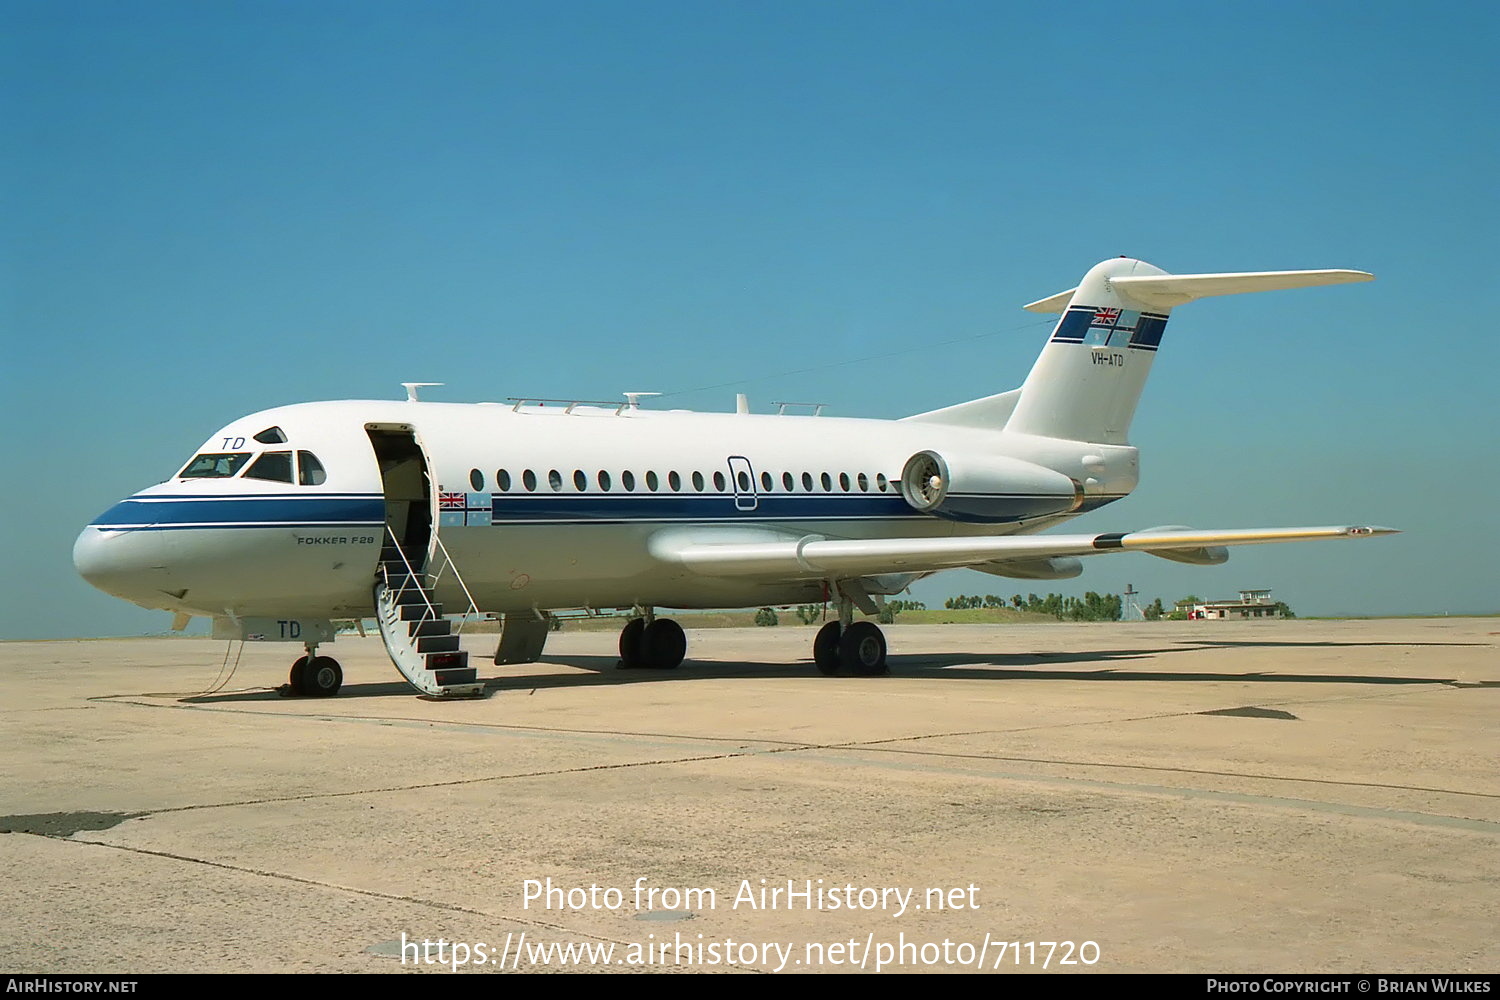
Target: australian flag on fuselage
457,510
1109,326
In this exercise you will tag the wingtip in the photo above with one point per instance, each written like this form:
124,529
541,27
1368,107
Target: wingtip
1371,530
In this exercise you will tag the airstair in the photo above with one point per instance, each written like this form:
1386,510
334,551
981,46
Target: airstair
422,642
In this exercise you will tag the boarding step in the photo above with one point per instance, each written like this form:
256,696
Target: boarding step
417,612
398,577
436,643
429,626
412,593
453,659
394,565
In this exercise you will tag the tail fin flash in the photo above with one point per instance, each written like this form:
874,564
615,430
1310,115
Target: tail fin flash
1089,377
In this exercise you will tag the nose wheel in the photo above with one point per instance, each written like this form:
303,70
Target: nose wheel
316,677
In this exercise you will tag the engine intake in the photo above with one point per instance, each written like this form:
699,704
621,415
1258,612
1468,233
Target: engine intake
986,489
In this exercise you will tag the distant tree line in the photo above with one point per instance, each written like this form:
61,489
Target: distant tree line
1091,607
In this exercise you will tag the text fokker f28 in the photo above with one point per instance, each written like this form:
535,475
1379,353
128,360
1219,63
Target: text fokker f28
293,517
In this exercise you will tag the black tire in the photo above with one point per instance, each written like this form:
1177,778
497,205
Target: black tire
862,649
663,644
826,649
322,677
294,679
631,646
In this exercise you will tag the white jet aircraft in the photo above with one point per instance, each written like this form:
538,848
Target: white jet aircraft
291,518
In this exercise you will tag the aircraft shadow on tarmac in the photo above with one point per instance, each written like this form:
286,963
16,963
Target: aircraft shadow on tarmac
982,665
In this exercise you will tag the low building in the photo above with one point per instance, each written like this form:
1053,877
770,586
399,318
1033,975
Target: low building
1252,604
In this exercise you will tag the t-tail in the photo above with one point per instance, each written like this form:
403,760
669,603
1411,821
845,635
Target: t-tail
1089,377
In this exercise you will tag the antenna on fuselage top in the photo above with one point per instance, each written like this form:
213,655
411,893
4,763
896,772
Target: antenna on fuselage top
412,387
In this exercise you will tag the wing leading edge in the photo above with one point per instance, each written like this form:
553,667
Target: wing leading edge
815,557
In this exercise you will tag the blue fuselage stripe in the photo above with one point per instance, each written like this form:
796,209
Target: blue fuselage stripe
316,511
163,513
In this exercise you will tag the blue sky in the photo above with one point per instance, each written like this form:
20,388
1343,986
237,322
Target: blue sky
215,208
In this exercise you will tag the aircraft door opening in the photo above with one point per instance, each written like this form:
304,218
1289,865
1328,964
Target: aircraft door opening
408,490
743,478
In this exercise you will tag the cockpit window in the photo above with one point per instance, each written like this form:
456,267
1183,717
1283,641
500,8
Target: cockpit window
311,470
271,435
273,466
215,466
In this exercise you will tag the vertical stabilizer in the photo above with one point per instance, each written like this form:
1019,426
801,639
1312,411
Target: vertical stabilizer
1088,379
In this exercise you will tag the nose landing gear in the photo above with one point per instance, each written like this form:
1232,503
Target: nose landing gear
315,676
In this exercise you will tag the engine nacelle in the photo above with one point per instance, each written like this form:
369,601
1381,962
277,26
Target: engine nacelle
987,489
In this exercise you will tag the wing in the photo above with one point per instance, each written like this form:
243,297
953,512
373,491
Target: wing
815,557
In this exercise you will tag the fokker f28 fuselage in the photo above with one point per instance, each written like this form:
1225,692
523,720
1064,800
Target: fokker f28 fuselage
322,511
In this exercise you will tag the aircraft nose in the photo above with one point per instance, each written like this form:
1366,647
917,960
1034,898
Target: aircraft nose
128,563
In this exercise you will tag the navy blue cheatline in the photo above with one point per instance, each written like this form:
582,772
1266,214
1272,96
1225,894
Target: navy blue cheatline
325,510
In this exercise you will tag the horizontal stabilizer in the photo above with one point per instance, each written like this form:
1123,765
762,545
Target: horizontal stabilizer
1163,291
1052,303
821,558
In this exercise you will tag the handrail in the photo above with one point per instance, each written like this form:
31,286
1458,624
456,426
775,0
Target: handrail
473,608
781,407
411,574
569,404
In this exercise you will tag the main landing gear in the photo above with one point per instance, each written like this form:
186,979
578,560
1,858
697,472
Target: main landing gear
316,676
652,643
858,647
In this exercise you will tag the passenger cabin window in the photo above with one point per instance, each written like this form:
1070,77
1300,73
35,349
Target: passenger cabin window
698,481
273,466
827,482
580,480
807,481
604,481
502,481
554,480
271,435
786,481
476,480
765,481
652,483
719,481
528,479
627,480
215,466
674,481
